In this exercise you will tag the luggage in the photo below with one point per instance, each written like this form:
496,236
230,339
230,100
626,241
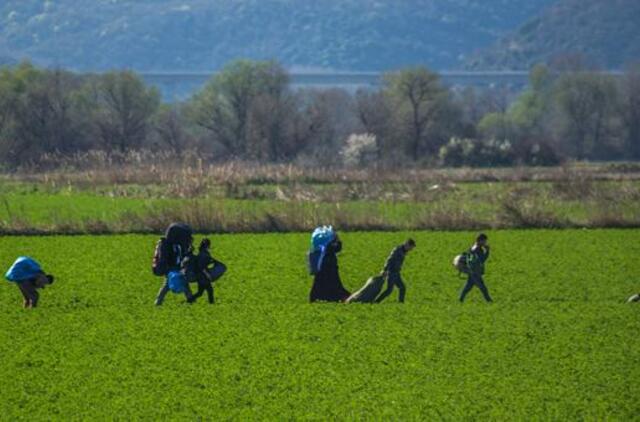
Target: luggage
468,263
369,292
171,249
176,281
24,268
179,234
320,238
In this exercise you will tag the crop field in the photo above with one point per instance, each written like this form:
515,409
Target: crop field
558,342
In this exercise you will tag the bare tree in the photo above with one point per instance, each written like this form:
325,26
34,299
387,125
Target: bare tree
120,107
631,111
585,101
416,95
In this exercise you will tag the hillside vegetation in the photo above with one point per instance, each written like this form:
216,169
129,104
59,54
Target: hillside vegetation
606,34
203,35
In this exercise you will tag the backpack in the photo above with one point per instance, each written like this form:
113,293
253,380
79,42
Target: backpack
165,257
468,263
170,248
179,234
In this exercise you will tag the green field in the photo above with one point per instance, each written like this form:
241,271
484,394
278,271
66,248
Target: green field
35,208
558,343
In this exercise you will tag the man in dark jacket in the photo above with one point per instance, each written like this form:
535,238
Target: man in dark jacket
479,253
392,269
327,285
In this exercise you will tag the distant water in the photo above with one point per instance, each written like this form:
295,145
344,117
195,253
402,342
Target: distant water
180,86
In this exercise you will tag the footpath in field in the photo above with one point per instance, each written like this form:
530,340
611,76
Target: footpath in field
558,343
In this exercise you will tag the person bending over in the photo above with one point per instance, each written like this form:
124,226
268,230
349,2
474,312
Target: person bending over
29,277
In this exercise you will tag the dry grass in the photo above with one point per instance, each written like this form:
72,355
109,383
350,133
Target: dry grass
189,177
188,174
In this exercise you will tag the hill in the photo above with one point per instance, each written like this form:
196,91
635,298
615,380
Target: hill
607,34
201,35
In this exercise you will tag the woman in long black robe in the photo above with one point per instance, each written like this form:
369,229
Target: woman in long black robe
327,285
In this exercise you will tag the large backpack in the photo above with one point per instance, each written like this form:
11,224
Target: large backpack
171,249
468,263
179,234
164,257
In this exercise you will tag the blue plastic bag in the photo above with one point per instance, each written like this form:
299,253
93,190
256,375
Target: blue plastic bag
176,281
23,269
321,237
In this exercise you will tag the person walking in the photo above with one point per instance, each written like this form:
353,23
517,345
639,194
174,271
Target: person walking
171,250
205,270
477,257
327,285
392,268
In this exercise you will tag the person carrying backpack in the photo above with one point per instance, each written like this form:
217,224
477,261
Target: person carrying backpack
327,285
204,269
392,268
29,277
170,251
475,260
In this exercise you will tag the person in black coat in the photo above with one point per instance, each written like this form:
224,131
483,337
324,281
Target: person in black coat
327,285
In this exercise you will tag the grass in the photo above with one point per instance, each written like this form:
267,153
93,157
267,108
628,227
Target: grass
559,343
27,207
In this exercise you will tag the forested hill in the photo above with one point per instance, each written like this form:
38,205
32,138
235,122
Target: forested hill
605,33
201,35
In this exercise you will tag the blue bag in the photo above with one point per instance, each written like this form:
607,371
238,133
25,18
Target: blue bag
23,269
176,282
321,237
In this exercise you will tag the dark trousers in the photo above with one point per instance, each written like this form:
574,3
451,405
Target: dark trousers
393,279
29,293
475,280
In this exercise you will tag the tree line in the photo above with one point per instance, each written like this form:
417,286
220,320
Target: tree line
249,111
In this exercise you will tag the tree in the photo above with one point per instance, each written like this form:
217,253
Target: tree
170,127
630,111
36,113
416,96
225,105
120,107
586,101
374,114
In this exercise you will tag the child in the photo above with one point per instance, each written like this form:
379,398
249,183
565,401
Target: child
392,269
29,277
479,253
206,271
